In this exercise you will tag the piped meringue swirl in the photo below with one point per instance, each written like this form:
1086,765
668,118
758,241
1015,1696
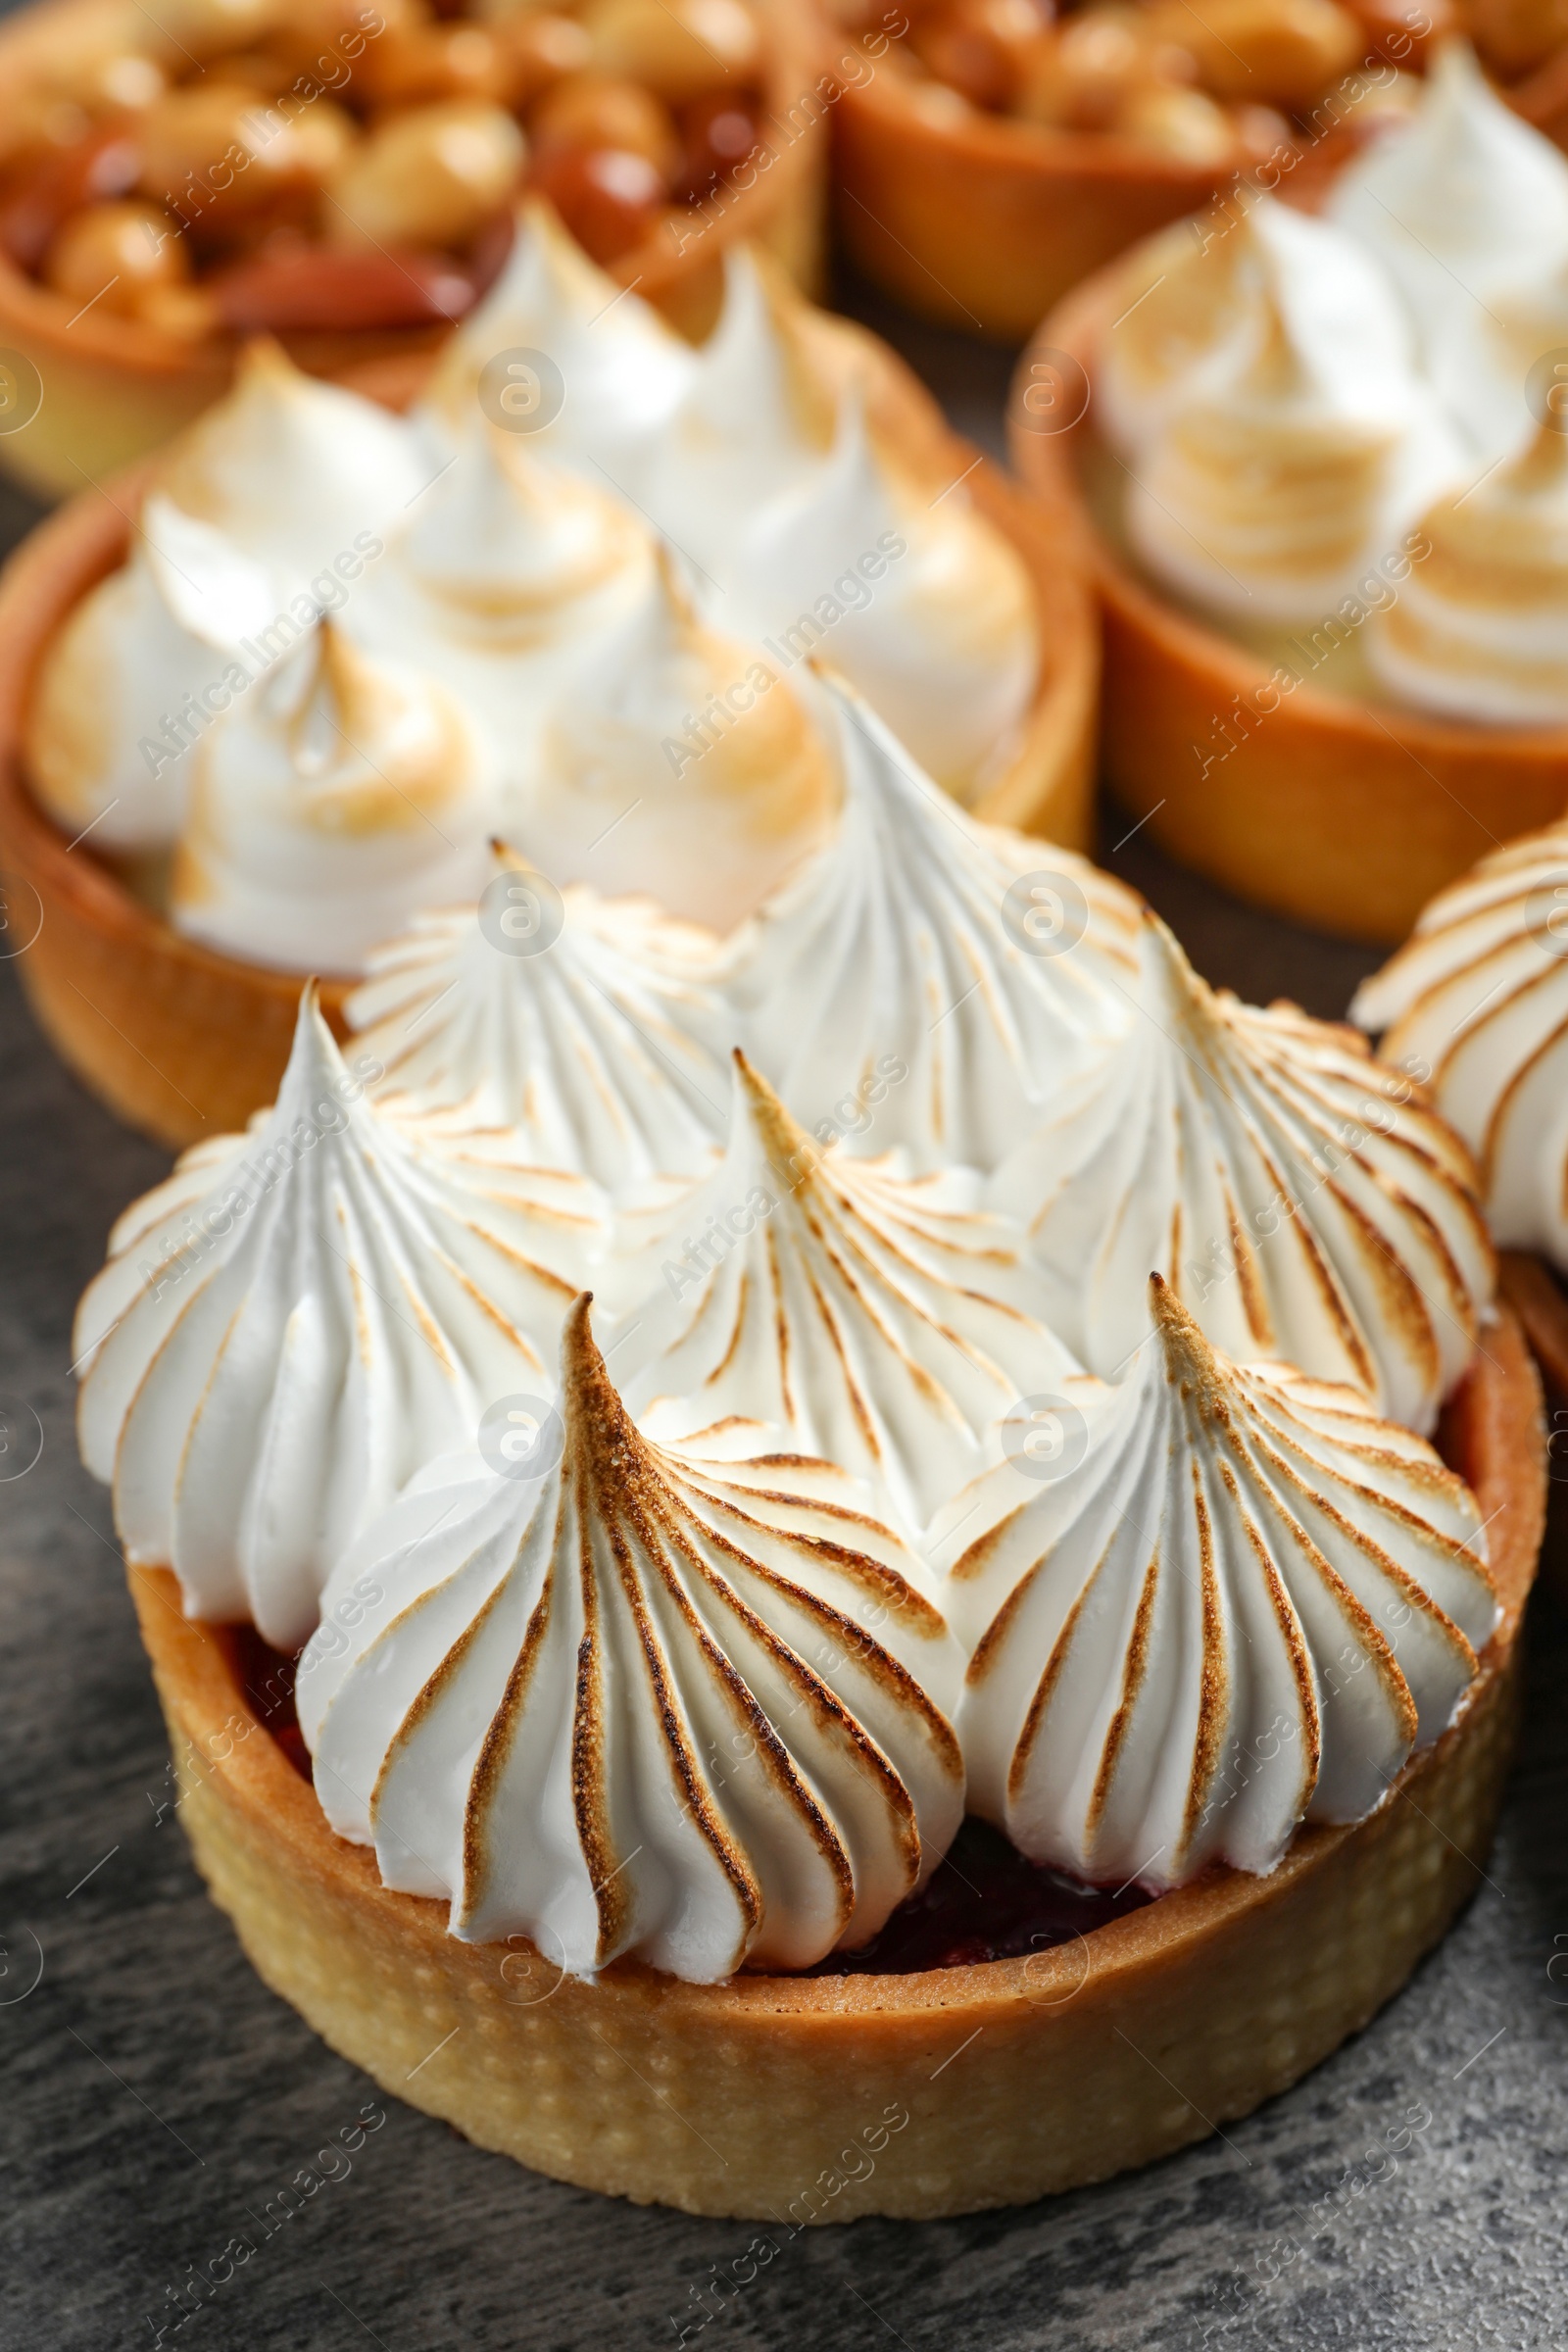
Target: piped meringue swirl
1478,996
593,1053
1304,1202
299,1319
655,1702
332,800
1480,630
917,937
884,1322
1243,1607
1296,457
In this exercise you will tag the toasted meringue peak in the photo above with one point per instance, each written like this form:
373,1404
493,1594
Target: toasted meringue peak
1296,457
505,584
302,1316
922,604
1480,630
1477,997
1457,204
683,767
1240,1607
906,988
108,733
758,415
1303,1204
592,1053
297,473
1184,297
652,1702
328,805
622,371
882,1321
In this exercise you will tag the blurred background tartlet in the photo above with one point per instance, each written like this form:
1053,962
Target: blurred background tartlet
341,175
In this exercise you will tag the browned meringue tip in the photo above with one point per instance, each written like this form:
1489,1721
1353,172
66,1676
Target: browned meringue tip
1188,1354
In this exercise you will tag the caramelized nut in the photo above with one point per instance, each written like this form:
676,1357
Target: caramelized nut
1269,52
676,48
1082,78
311,289
983,49
111,254
541,48
589,110
609,198
719,132
1403,30
424,63
219,146
1183,124
101,166
430,176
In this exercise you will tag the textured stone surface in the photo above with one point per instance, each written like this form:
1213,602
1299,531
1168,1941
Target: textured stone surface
154,2098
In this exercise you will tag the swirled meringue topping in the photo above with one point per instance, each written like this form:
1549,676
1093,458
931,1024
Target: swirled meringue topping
683,766
1296,457
623,371
591,1053
295,472
1303,1203
302,1316
988,965
1242,1606
756,417
153,636
917,599
1457,204
654,1702
1478,996
1480,630
505,583
327,804
882,1321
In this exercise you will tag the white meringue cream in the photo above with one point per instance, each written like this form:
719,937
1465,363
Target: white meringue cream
622,371
1303,1203
882,1322
1478,997
109,711
1480,630
1243,1607
922,605
1292,461
653,1703
505,584
756,418
326,806
301,1317
1457,205
592,1054
682,766
909,944
298,473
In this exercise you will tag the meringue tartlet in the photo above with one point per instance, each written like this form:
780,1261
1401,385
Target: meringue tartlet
340,178
1326,510
755,1590
349,647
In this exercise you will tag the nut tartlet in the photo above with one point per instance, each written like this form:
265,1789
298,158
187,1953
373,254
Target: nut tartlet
988,158
390,143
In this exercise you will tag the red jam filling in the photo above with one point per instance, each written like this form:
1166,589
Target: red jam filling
983,1901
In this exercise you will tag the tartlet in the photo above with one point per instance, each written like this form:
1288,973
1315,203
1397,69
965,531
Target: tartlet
982,219
1333,807
184,1041
971,2085
115,385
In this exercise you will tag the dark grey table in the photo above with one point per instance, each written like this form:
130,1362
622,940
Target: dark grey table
154,2091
